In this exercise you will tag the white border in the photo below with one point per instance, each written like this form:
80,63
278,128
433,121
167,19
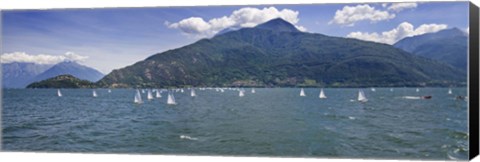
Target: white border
74,157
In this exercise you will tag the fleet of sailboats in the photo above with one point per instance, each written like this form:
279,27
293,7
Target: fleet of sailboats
241,92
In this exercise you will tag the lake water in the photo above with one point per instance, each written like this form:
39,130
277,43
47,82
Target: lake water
270,122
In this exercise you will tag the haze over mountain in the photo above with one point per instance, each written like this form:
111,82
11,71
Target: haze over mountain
69,67
449,45
18,74
275,53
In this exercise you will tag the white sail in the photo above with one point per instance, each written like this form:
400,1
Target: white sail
149,95
418,90
171,99
59,94
361,96
391,89
253,90
192,93
373,89
240,93
158,95
181,90
138,97
143,91
109,91
450,91
302,92
322,94
94,93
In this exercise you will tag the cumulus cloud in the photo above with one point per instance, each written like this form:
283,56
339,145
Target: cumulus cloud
349,15
397,7
244,17
403,30
41,58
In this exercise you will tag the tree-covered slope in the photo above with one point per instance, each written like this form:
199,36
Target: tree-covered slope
267,56
62,81
449,46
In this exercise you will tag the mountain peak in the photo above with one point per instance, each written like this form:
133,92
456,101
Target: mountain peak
453,32
278,24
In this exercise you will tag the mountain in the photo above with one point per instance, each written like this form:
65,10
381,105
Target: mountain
72,68
18,74
62,81
277,54
449,46
278,25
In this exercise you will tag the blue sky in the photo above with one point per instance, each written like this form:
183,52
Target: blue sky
108,39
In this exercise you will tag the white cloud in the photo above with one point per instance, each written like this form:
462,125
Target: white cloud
244,17
351,14
41,58
397,7
403,30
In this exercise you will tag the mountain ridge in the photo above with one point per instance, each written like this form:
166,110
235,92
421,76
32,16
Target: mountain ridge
264,57
448,45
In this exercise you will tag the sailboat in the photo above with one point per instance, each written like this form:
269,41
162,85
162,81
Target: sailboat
391,89
302,92
138,98
181,90
449,91
149,94
373,89
109,91
240,93
418,90
158,95
171,99
322,94
361,96
253,90
192,93
94,93
59,94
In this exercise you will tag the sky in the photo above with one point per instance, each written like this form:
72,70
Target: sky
112,38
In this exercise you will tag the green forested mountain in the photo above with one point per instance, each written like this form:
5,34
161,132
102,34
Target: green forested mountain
449,46
62,81
276,54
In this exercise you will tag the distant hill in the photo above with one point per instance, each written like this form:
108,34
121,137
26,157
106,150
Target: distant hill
449,46
62,81
18,74
72,68
277,54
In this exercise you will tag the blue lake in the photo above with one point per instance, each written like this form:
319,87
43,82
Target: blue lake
270,122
